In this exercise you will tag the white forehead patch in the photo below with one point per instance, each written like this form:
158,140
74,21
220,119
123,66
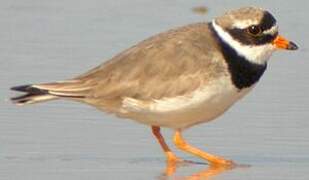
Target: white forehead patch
273,30
244,23
258,54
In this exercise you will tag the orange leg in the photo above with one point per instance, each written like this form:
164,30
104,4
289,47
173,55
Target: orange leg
171,157
212,159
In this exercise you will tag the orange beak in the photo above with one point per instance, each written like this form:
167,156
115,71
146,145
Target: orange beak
282,43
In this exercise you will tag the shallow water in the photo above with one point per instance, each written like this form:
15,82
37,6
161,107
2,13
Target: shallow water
43,41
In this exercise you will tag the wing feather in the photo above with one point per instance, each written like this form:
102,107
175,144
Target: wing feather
171,64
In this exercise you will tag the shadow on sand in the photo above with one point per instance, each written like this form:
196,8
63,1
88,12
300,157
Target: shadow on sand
206,173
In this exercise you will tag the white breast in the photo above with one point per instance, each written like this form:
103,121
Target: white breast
202,105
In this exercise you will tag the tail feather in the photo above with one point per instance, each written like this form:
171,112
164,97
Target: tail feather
29,89
45,92
33,95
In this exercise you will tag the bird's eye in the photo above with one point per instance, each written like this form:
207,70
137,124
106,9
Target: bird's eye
254,30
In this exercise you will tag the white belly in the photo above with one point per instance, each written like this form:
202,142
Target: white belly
202,105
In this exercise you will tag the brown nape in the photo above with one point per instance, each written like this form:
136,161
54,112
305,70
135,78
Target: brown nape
243,14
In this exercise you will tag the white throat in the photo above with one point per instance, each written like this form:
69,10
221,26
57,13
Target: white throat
258,54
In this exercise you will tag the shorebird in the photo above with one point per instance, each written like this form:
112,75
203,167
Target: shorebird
179,78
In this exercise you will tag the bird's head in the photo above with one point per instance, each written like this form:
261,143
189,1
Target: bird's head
252,32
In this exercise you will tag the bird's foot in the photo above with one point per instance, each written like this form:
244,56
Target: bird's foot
219,161
172,158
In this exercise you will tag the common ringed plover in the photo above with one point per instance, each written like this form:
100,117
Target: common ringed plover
179,78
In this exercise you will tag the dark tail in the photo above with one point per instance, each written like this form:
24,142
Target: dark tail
33,95
44,92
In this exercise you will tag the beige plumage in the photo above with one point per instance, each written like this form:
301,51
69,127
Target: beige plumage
171,64
179,78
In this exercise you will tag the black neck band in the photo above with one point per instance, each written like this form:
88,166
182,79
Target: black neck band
243,72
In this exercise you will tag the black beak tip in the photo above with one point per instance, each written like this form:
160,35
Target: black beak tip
292,46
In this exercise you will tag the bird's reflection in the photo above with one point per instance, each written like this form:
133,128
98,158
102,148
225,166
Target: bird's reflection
206,173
